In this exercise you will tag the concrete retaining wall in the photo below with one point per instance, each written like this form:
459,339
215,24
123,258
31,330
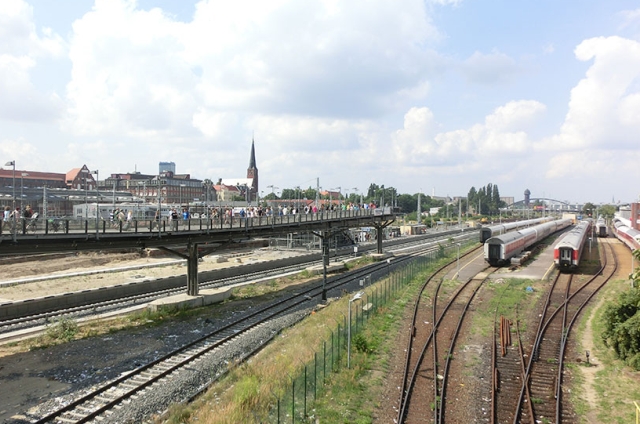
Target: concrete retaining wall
27,307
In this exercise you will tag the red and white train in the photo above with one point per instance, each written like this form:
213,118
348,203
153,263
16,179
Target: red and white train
568,250
623,231
500,249
601,227
487,232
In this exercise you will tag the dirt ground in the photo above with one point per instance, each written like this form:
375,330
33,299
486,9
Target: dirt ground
587,341
99,262
475,373
475,347
29,378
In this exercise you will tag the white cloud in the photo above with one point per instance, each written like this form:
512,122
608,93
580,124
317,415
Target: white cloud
286,133
490,68
571,166
445,2
18,35
504,131
630,19
604,110
514,116
129,73
20,49
144,74
23,152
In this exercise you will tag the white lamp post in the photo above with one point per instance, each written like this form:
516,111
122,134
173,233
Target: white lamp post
458,267
181,185
13,163
353,299
97,200
22,175
86,195
159,220
13,184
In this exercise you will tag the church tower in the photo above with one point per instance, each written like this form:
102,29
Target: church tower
252,172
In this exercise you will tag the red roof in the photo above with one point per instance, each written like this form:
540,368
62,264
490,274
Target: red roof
33,175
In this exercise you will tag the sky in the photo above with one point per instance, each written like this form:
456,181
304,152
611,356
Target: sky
430,96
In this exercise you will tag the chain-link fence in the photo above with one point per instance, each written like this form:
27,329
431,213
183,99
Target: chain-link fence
296,402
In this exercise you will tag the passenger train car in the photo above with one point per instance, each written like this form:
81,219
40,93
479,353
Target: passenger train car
626,234
568,250
495,230
499,250
601,227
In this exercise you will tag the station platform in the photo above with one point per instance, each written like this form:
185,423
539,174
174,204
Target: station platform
183,300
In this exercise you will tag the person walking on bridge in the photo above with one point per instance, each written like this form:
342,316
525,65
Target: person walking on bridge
6,216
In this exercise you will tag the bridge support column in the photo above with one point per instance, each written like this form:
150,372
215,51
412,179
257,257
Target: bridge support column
325,262
192,269
379,227
325,237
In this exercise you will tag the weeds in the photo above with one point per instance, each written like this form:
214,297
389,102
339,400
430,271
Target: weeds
63,330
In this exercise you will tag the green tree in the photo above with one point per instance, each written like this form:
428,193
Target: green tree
621,320
407,203
495,198
485,200
588,209
607,211
309,194
472,198
207,190
371,192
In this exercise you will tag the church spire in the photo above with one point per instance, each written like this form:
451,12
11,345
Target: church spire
252,173
252,160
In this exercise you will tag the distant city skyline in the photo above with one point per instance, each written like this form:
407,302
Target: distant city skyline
421,95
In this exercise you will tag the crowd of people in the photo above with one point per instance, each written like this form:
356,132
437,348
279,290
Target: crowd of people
123,218
10,217
285,209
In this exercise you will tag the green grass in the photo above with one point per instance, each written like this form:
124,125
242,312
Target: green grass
247,393
615,385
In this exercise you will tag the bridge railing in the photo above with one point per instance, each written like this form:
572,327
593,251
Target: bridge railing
26,227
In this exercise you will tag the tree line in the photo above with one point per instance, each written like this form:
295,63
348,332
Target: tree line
484,201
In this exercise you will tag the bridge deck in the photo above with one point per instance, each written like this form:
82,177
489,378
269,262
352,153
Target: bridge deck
90,234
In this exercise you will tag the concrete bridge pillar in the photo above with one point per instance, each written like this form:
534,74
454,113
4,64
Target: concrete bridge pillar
192,269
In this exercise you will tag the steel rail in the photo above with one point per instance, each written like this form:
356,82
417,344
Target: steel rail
92,308
570,325
456,332
405,389
545,324
409,383
289,302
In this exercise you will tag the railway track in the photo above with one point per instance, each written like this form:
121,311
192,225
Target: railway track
434,329
100,400
97,308
89,310
508,370
540,397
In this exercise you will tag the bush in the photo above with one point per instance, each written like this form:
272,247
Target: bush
361,344
65,329
621,320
